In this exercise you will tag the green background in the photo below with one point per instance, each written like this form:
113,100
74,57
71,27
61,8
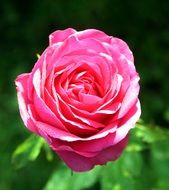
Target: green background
24,30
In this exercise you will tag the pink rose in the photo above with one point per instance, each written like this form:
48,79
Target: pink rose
82,97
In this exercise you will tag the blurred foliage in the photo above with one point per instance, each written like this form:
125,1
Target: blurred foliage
144,26
27,151
133,170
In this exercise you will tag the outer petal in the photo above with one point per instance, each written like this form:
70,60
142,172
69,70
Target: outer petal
21,85
60,35
111,153
75,161
81,163
122,48
93,33
128,122
130,97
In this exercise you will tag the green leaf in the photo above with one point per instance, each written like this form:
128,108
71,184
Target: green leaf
160,164
27,151
63,180
48,151
123,173
150,133
142,136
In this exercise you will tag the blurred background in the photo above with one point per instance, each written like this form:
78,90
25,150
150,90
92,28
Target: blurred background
144,25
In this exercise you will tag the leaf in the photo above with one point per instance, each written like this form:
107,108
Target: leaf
49,153
27,151
160,164
150,134
142,136
63,180
123,173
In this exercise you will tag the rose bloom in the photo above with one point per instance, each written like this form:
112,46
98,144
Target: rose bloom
82,97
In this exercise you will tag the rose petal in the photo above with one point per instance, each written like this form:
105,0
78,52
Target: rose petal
130,97
93,33
60,35
128,122
81,163
122,48
21,84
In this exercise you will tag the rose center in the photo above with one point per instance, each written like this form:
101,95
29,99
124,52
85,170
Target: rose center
82,82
